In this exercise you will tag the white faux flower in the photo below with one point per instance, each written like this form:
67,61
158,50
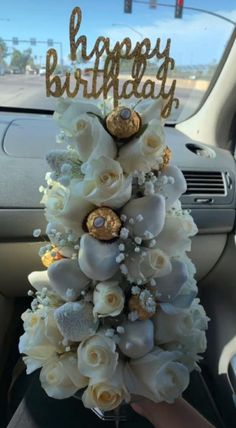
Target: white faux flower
150,109
58,234
183,329
147,264
97,357
67,111
108,299
174,238
60,378
107,394
157,376
189,289
200,319
186,294
189,265
190,347
41,340
144,153
105,184
179,326
66,205
91,139
171,185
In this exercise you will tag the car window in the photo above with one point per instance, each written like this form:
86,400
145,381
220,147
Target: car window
199,39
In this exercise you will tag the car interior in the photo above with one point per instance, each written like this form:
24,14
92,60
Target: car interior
203,146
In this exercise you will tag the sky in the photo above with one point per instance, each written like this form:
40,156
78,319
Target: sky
198,38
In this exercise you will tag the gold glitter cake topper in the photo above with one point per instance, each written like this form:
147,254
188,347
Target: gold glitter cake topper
138,86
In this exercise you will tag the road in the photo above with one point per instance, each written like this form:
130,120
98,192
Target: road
29,91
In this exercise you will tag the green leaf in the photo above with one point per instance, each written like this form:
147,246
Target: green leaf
101,120
142,130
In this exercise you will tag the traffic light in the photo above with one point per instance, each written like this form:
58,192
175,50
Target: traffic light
50,42
33,41
153,4
15,41
128,6
179,8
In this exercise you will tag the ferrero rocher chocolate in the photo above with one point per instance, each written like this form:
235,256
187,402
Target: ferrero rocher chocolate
135,305
103,224
50,257
166,158
123,123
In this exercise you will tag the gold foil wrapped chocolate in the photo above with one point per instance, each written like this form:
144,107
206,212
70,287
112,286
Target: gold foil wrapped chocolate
167,153
123,123
136,306
103,224
50,257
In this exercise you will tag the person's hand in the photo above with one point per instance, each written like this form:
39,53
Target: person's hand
177,415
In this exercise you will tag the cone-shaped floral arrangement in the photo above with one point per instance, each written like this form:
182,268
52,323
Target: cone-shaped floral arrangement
115,311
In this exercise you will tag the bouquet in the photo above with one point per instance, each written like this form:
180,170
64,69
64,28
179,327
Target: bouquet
115,311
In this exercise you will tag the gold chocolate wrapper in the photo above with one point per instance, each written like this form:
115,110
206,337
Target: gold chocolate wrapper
123,123
135,305
48,259
103,224
167,154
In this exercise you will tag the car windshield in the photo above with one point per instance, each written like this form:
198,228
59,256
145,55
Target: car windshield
199,32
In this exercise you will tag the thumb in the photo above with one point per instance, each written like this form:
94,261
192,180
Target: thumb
138,409
147,409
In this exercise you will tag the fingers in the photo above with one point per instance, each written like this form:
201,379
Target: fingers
148,409
163,415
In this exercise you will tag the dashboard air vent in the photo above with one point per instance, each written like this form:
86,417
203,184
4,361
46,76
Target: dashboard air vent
205,183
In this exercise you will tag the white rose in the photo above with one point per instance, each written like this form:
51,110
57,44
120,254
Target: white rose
189,289
38,350
41,340
97,357
68,110
181,324
144,153
39,356
107,394
32,320
195,343
186,294
150,109
200,319
60,378
157,376
174,238
172,327
189,265
190,346
65,205
91,139
149,263
41,323
108,299
185,326
105,184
